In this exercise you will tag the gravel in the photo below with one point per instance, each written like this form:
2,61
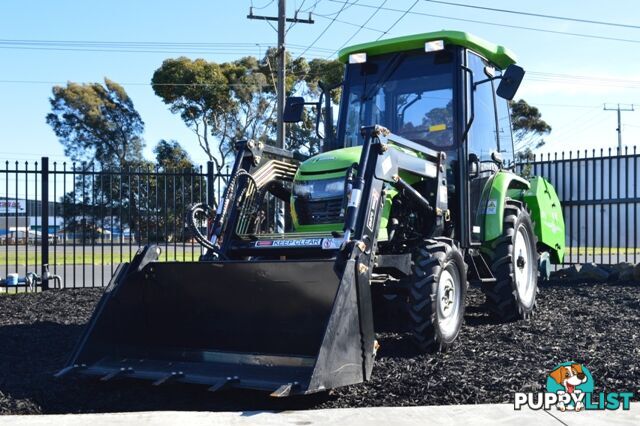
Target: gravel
595,324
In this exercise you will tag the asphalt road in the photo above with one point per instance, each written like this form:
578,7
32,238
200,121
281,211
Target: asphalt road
91,267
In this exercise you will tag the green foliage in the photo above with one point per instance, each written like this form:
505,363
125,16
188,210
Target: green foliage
528,128
97,122
216,100
236,100
330,72
171,156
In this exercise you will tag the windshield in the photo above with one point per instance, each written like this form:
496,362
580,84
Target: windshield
409,93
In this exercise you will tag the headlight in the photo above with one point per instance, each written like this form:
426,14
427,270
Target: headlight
319,189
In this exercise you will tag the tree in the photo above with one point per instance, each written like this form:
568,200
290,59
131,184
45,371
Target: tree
236,100
179,184
198,91
171,156
302,136
528,127
97,122
99,126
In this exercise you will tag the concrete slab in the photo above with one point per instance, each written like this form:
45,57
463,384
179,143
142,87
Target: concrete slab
485,414
596,418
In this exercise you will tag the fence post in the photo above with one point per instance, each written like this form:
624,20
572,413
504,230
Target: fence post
44,222
210,180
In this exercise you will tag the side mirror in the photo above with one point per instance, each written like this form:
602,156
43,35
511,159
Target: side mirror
293,108
497,158
510,82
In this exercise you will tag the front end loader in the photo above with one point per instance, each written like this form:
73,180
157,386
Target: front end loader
410,200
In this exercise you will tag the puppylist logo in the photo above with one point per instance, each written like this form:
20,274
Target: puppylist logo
570,386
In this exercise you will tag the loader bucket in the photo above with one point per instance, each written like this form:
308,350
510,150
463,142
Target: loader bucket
288,327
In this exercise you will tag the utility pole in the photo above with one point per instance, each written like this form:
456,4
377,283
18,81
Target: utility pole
282,56
619,109
281,87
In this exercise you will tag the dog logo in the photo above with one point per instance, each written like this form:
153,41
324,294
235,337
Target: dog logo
572,379
570,387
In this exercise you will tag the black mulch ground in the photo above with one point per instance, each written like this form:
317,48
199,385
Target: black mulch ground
598,325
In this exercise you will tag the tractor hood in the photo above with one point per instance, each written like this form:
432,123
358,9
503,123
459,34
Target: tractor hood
332,162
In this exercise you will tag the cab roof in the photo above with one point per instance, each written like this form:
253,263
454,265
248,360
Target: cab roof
499,55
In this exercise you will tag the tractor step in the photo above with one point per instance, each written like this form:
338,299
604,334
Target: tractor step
479,270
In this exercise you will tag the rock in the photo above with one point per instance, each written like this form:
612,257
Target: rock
566,273
636,272
626,275
619,270
591,271
622,266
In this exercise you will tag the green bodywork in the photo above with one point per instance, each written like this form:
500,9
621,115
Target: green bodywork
327,165
492,202
546,213
334,164
541,199
499,55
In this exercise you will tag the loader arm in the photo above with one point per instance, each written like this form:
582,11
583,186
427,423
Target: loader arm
286,313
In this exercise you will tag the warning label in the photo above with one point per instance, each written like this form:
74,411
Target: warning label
492,206
306,242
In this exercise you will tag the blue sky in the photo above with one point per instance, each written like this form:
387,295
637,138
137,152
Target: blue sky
569,77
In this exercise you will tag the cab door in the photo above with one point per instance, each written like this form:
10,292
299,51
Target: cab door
483,140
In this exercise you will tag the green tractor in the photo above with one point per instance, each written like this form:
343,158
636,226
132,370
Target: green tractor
410,201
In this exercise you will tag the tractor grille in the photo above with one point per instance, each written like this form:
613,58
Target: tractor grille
314,212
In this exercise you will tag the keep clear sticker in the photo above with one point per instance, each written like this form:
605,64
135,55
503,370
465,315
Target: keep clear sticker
491,206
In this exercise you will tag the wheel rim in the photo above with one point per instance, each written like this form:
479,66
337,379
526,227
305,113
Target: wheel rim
524,266
448,300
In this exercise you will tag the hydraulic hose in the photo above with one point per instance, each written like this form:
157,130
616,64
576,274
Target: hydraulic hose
210,214
192,220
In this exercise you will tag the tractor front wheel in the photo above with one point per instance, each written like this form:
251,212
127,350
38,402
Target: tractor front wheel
437,294
514,262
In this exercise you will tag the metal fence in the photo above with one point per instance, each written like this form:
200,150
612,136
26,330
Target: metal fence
599,194
83,221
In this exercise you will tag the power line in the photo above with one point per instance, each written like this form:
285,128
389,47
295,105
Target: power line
537,15
532,76
619,109
262,7
580,77
344,5
398,20
222,49
569,106
295,15
360,28
517,27
138,83
583,80
353,24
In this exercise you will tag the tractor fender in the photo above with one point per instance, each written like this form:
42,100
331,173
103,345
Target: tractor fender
546,212
492,202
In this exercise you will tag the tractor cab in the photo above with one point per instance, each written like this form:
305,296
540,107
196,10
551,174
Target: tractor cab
442,90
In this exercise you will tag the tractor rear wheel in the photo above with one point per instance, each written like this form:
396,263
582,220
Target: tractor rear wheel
514,263
437,294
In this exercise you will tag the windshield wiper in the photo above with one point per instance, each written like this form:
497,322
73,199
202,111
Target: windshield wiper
388,71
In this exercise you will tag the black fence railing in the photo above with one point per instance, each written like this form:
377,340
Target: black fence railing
599,194
83,221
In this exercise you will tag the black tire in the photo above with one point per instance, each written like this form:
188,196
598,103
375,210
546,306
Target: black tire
513,295
438,265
